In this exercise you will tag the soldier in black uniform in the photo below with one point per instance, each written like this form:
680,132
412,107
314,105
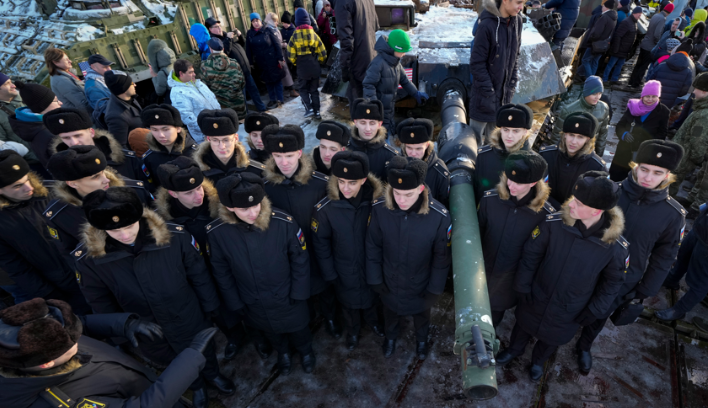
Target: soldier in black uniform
573,156
27,254
131,260
222,152
407,251
654,224
570,272
369,135
260,262
507,216
78,171
167,140
47,359
511,135
293,186
73,128
254,124
416,136
333,137
339,237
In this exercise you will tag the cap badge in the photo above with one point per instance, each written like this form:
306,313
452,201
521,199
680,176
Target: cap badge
192,180
576,187
400,181
15,167
258,122
250,199
346,170
329,133
368,111
511,117
513,172
98,161
216,125
115,218
577,125
280,144
658,154
157,116
61,121
412,134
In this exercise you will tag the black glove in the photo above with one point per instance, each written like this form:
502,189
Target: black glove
524,298
134,326
585,317
346,75
430,299
202,339
381,289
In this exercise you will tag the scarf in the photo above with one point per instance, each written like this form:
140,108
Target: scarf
638,108
91,74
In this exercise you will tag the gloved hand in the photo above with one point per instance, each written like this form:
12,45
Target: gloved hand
627,137
202,339
346,75
430,299
585,317
381,289
134,326
421,97
524,298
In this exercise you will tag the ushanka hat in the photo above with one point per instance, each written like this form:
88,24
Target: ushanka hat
350,165
180,174
406,173
525,167
514,116
256,121
240,190
581,123
662,153
289,138
218,122
596,190
65,120
366,109
12,167
333,131
415,131
76,162
114,208
161,115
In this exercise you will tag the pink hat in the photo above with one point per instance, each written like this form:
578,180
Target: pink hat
669,8
652,88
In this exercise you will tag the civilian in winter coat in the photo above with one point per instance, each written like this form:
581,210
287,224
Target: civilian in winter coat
265,53
407,251
261,264
675,75
416,137
644,119
271,23
161,59
570,272
95,88
650,40
190,96
369,136
223,76
339,224
233,42
201,36
601,30
300,4
323,20
699,192
10,100
622,12
699,16
306,51
507,216
27,253
357,24
644,196
254,124
569,10
123,111
621,45
65,85
661,47
288,27
494,62
333,137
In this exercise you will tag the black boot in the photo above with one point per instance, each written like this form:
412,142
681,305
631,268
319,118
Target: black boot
308,362
536,372
389,346
584,361
377,331
230,351
200,398
352,342
504,357
669,314
422,350
263,350
332,329
223,384
284,364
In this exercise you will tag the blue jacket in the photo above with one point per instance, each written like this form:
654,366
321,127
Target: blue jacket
201,35
95,89
676,76
569,10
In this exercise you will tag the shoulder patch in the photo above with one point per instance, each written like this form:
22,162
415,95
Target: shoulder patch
484,149
677,206
554,217
322,203
378,201
256,164
53,208
536,232
548,207
282,215
147,153
390,148
597,158
214,225
440,168
548,148
134,183
175,227
320,176
435,205
623,241
89,403
80,252
490,193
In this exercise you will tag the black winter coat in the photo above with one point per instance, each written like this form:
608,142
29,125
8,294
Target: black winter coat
566,273
655,126
623,38
408,252
676,75
297,196
357,24
157,155
165,282
563,171
504,226
122,117
234,50
602,27
264,52
339,239
263,267
37,135
490,163
215,170
378,151
494,62
438,177
103,374
286,33
569,10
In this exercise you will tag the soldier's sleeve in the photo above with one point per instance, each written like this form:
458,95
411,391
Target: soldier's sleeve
221,270
698,141
661,258
299,263
197,274
611,280
97,293
26,276
374,250
534,252
442,257
322,244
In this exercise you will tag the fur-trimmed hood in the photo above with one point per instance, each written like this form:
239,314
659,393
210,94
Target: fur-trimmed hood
102,139
305,168
67,194
616,220
35,182
333,187
95,239
262,222
541,188
379,138
163,203
204,149
390,202
496,142
587,149
177,147
491,6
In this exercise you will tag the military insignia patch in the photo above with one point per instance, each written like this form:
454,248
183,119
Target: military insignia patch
314,225
301,239
449,232
683,229
195,244
545,179
87,403
536,232
207,249
369,220
78,277
54,233
626,262
146,171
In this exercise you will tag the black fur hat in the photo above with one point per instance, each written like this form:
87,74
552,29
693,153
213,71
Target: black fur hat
525,167
160,115
180,174
12,167
240,190
661,153
406,173
289,138
596,190
415,131
65,120
218,122
76,163
334,131
350,165
515,116
114,208
256,121
581,123
366,109
701,82
36,332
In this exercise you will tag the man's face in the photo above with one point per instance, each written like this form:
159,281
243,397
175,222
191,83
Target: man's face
513,7
698,94
406,198
100,68
328,149
247,215
165,135
8,91
287,162
637,16
367,127
190,199
82,137
417,150
56,104
512,136
574,142
350,188
519,190
88,185
650,176
580,211
125,235
21,190
216,29
57,361
328,8
223,146
188,76
256,139
286,25
675,25
594,98
399,54
130,92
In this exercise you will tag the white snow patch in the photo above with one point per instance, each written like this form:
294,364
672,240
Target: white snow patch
163,9
394,3
87,32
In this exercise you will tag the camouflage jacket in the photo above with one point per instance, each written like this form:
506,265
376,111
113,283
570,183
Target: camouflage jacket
693,134
225,78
